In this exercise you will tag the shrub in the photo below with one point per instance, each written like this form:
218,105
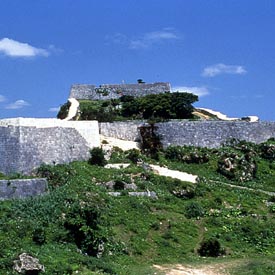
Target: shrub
133,155
237,166
210,248
181,189
187,154
150,140
39,236
57,175
97,157
194,210
64,110
267,151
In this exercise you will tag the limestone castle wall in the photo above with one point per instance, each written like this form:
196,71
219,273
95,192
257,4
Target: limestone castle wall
210,134
27,143
22,188
112,91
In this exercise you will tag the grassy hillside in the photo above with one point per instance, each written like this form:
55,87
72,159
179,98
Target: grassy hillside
78,228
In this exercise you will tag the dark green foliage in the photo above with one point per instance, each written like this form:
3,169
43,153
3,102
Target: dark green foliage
267,150
133,155
103,111
64,110
187,154
180,189
82,223
237,160
162,106
153,106
97,157
210,248
194,210
39,235
150,140
56,175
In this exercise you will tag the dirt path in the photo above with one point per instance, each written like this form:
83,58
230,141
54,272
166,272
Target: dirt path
213,269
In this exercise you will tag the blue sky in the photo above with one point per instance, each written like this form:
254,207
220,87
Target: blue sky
222,50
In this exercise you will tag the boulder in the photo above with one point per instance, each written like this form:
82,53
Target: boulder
28,265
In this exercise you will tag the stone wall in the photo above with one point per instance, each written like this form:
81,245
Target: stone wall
112,91
22,188
27,143
9,149
122,130
49,146
196,133
213,133
87,129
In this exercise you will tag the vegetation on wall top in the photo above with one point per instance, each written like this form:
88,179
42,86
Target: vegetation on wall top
153,106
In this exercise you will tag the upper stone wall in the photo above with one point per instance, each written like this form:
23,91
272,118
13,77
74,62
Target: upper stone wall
112,91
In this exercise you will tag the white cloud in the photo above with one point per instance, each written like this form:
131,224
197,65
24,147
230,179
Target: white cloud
148,39
2,98
18,104
14,48
199,91
54,109
220,68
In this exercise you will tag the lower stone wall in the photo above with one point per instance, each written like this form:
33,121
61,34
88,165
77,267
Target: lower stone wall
22,149
196,133
22,188
50,146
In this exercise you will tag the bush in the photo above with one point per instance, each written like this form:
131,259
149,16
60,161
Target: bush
237,166
57,175
97,157
39,236
187,154
150,140
267,151
133,155
210,248
194,210
64,110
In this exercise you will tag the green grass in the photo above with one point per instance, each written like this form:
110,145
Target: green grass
64,228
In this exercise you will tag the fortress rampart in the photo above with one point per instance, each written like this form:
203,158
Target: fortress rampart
27,143
196,133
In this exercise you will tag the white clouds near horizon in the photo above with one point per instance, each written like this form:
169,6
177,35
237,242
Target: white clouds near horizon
13,48
221,68
199,91
18,104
